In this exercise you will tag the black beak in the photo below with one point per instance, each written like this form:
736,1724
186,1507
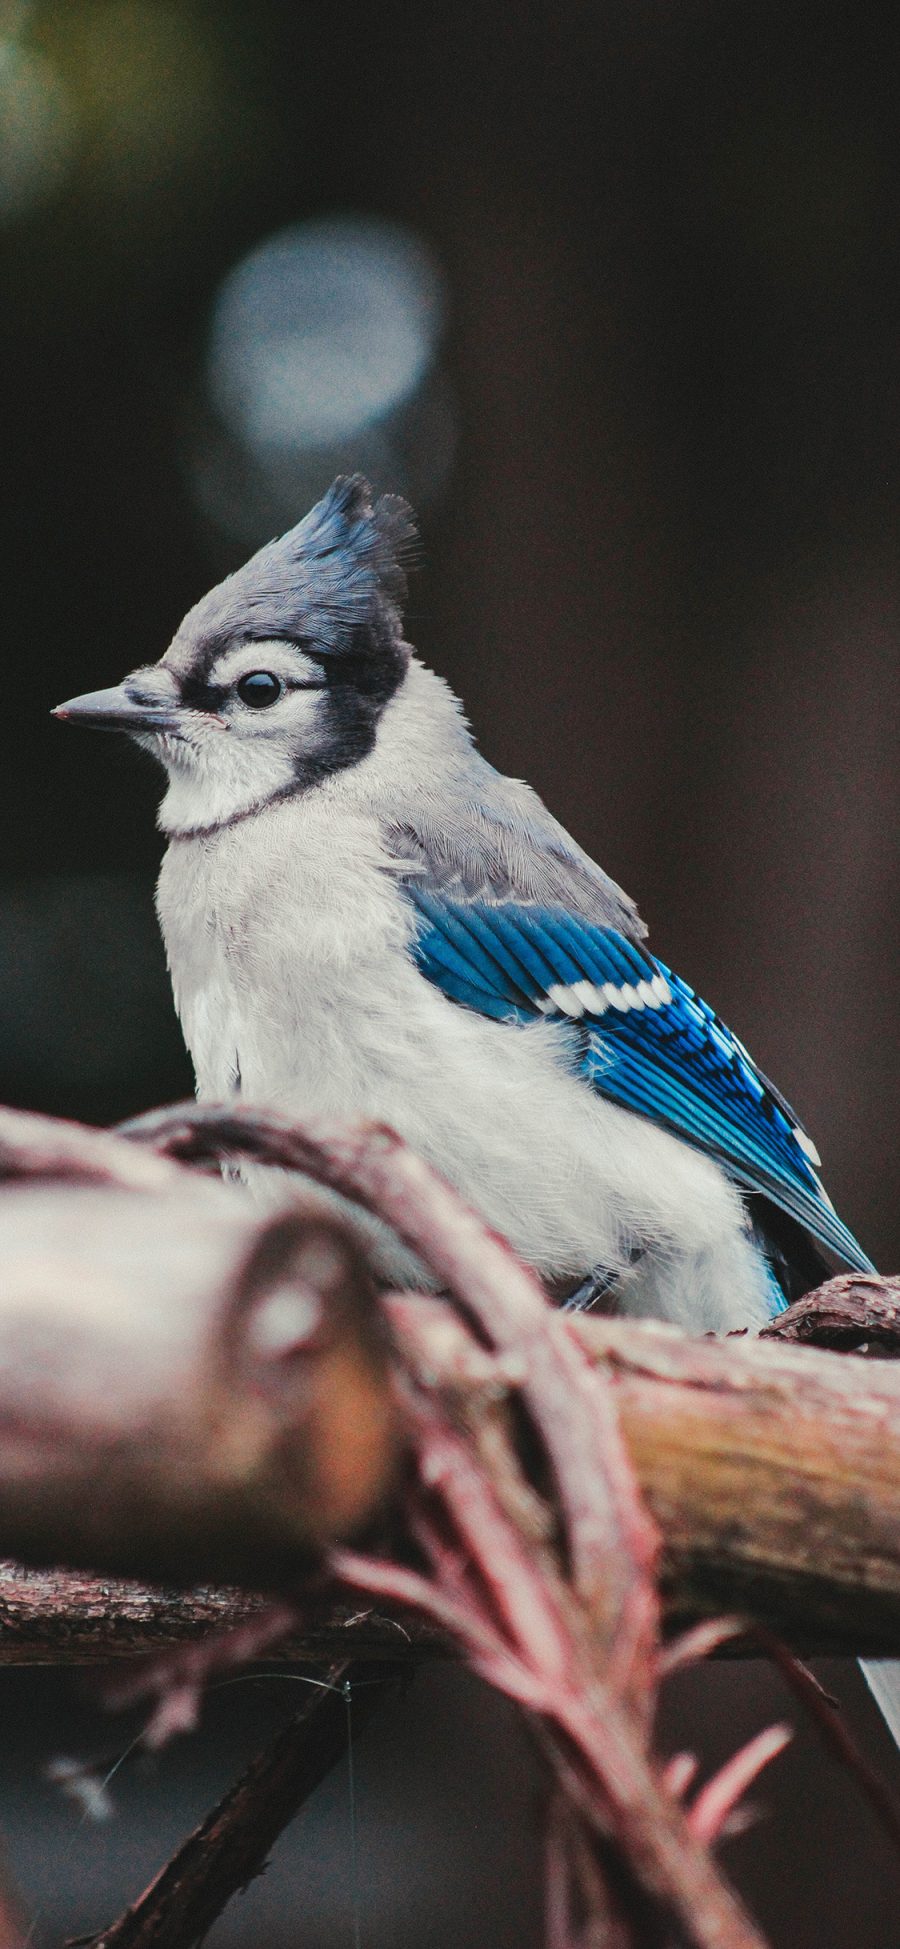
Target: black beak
118,710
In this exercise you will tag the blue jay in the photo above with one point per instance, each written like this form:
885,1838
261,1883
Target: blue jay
361,916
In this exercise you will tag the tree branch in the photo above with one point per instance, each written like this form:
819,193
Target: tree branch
186,1389
773,1474
856,1313
231,1845
248,1411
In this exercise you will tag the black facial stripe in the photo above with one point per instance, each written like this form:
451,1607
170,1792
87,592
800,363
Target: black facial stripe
373,679
204,656
373,663
356,694
361,677
347,734
199,695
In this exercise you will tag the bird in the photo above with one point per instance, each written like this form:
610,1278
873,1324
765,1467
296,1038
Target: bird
363,917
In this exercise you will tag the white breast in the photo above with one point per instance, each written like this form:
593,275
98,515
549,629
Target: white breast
287,941
273,930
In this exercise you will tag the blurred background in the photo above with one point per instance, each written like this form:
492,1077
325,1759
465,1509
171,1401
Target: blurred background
610,290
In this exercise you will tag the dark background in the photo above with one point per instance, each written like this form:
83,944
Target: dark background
655,445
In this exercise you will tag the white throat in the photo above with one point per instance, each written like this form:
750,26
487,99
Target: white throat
216,780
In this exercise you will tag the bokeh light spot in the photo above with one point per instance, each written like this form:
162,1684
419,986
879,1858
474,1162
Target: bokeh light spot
151,99
323,358
36,130
321,331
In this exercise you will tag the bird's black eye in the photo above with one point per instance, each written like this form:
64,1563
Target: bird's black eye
259,689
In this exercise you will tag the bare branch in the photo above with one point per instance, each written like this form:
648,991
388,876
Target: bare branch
773,1473
835,1734
231,1845
65,1617
774,1476
249,1409
857,1313
186,1389
14,1930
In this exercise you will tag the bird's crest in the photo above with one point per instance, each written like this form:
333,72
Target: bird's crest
337,579
376,536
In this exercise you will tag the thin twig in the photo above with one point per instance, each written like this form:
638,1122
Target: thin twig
231,1845
718,1798
14,1930
835,1734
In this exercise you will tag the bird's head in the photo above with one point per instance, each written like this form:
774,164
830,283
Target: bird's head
278,677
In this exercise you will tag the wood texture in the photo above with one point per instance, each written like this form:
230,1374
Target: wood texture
774,1476
773,1473
188,1390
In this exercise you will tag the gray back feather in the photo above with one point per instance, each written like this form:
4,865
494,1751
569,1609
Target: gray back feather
491,839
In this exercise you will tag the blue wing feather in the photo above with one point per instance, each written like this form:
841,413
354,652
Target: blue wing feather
647,1042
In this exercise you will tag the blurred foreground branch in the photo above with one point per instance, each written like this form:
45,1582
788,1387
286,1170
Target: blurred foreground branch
773,1475
187,1389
